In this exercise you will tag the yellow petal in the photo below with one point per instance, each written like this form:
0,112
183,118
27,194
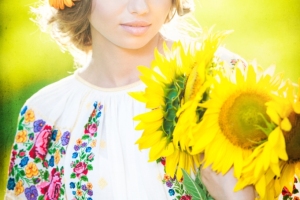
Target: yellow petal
147,141
157,149
140,96
286,124
296,106
172,162
151,116
273,115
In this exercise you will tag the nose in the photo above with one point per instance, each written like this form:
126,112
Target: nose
138,7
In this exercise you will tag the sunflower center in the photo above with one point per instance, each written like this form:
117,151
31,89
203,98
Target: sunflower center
173,95
240,116
292,139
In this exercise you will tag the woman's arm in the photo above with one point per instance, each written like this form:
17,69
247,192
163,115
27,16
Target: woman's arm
220,187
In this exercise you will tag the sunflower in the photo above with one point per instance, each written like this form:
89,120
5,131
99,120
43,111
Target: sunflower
175,84
270,178
229,131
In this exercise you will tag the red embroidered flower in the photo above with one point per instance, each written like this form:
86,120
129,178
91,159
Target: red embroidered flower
286,192
12,160
91,129
51,190
22,153
163,161
80,169
40,146
186,197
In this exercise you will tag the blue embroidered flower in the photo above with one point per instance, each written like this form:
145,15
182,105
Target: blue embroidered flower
24,161
89,149
73,192
51,161
62,151
31,193
98,115
72,185
65,138
74,155
90,192
89,198
31,136
38,125
171,192
23,111
11,184
54,134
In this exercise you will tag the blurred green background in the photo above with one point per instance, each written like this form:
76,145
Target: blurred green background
265,30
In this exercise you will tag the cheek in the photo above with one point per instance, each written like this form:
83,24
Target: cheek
100,11
163,8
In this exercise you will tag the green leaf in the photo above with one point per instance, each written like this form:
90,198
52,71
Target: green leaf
84,178
41,197
15,147
85,137
192,188
22,172
17,177
37,160
285,197
46,175
90,167
13,171
51,151
62,191
21,123
73,175
29,147
82,156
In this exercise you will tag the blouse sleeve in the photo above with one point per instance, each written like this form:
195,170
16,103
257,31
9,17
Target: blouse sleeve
35,171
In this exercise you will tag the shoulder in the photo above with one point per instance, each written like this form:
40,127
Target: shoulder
60,98
229,57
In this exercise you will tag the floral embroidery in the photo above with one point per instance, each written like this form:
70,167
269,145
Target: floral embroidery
287,195
83,156
34,169
175,188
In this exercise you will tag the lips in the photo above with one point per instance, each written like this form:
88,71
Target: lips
136,28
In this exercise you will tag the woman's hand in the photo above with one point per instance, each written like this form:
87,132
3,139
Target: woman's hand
220,187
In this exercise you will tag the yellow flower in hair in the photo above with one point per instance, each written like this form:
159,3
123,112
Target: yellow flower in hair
236,108
60,4
263,169
175,84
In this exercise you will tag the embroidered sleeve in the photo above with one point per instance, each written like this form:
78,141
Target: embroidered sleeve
35,170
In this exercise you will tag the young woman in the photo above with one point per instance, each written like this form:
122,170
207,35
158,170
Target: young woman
75,138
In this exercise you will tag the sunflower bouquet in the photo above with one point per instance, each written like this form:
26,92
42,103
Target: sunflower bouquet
244,118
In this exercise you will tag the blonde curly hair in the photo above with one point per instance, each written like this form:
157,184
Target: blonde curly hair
70,27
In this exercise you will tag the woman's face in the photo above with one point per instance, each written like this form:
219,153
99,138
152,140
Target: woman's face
128,24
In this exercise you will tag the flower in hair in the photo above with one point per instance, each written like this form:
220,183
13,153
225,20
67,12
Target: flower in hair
60,4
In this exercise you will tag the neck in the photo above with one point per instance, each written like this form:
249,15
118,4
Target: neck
113,66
